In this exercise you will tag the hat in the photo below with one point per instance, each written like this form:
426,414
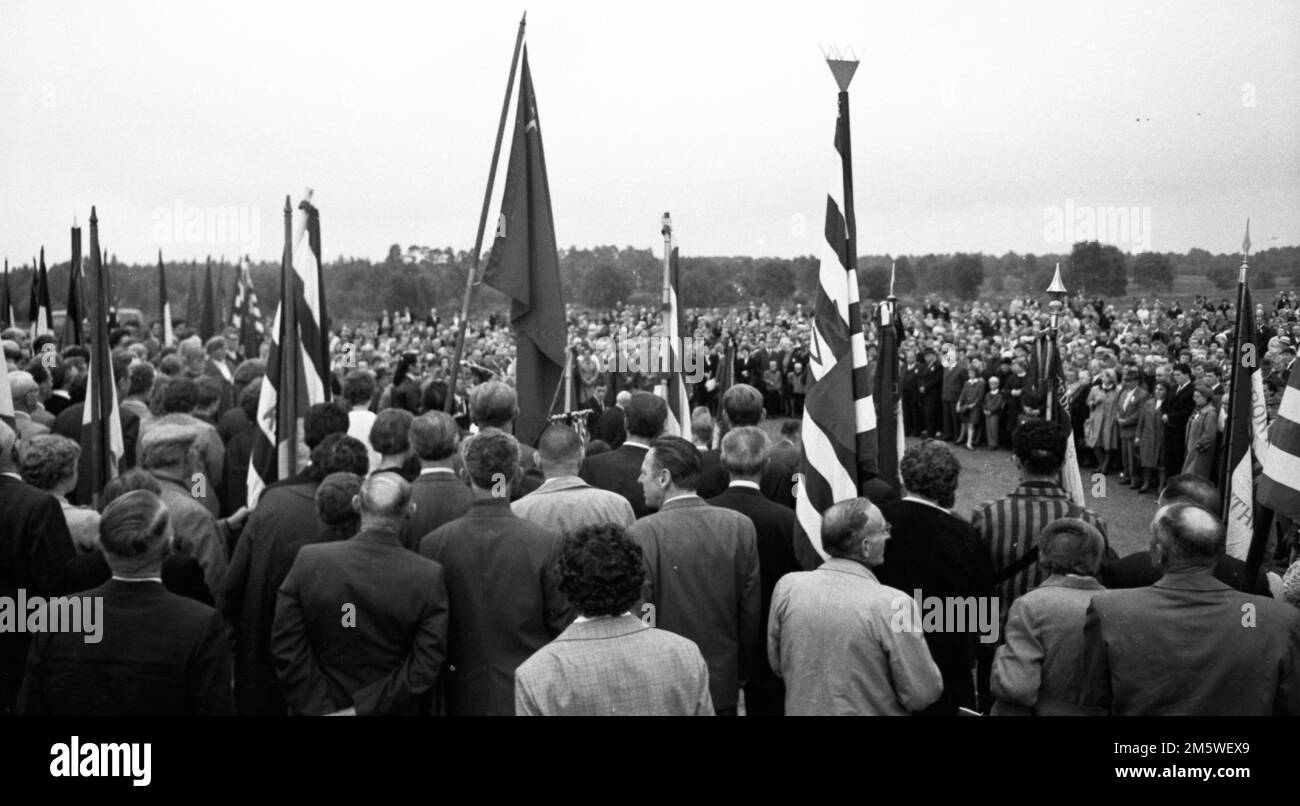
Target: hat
167,435
1205,390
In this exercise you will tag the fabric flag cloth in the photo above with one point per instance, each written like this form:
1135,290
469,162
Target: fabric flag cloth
1279,487
101,421
525,266
889,402
194,300
42,316
673,388
164,306
839,420
297,366
7,402
7,318
246,315
1247,436
1046,377
208,324
75,307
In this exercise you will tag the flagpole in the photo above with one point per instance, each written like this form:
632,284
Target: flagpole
1234,378
449,406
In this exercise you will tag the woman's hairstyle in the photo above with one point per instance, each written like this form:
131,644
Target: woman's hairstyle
46,460
601,570
930,470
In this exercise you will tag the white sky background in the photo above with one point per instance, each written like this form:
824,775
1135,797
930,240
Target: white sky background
970,120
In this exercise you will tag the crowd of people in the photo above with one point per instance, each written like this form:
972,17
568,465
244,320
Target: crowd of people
422,562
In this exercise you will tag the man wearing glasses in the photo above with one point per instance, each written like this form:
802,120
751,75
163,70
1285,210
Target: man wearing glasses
842,641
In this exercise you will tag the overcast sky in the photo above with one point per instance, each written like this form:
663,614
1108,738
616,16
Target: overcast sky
976,126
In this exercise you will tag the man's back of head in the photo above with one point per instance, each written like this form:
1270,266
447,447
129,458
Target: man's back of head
1185,536
1039,447
1193,489
646,415
491,462
744,453
435,436
383,502
560,451
743,405
493,405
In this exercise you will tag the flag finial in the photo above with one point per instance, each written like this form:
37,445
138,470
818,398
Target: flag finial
893,267
843,65
1245,244
1057,287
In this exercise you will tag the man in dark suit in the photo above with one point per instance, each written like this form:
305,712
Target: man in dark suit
387,657
786,450
1190,644
612,426
501,582
439,495
34,548
147,652
702,577
283,521
495,405
742,406
610,662
913,418
597,408
1177,411
937,554
1136,570
931,383
617,470
744,454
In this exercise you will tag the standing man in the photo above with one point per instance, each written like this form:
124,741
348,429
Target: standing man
361,624
565,503
1190,644
501,582
1131,399
618,470
931,383
1177,411
744,455
702,569
830,636
439,495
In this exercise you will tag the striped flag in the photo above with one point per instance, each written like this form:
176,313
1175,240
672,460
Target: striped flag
246,315
42,317
673,387
164,306
101,421
74,313
297,367
1247,431
839,421
7,318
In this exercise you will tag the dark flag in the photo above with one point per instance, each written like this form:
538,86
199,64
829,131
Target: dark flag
524,266
194,301
246,316
889,401
164,306
208,324
42,317
297,366
6,301
72,318
839,419
101,423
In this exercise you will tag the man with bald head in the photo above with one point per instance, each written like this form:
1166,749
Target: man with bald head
565,503
1190,644
843,643
361,624
26,395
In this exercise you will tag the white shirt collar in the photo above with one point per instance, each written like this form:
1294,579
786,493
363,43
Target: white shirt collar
919,500
424,471
581,619
636,443
753,485
138,579
13,476
668,501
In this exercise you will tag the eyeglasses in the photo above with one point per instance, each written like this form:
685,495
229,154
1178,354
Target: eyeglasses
882,534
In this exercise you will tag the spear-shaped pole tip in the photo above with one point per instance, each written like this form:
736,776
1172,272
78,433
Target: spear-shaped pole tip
1057,287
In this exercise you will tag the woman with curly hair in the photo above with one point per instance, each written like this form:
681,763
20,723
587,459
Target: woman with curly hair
608,661
49,462
935,553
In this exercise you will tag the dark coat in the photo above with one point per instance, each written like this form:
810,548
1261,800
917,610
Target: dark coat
439,498
618,471
506,604
34,548
181,574
1179,408
159,655
777,483
774,531
938,554
1136,571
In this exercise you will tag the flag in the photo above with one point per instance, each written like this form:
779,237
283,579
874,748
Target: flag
246,316
164,305
1247,430
101,422
297,367
889,402
42,317
194,301
1046,377
7,402
73,316
839,420
673,387
524,266
208,324
7,318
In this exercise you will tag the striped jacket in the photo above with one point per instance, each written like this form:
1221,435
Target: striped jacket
1009,526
